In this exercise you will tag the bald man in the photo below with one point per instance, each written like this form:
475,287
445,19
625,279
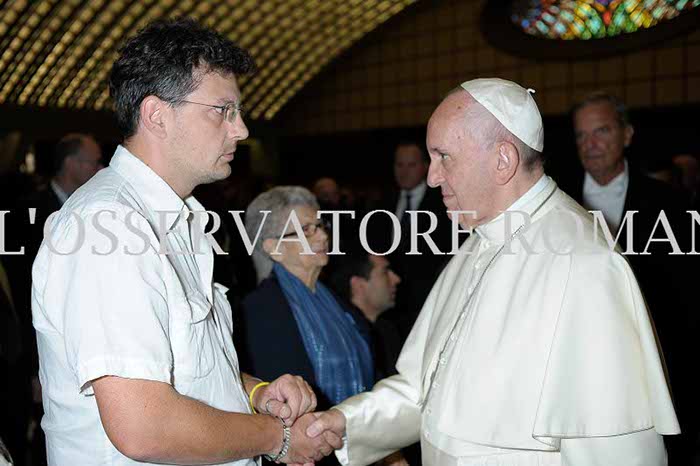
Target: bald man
535,345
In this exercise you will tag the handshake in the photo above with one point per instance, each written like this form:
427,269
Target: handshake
314,435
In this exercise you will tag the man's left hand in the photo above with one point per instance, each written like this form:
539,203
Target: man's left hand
287,397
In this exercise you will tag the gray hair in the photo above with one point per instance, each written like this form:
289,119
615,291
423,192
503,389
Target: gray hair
279,201
490,131
603,97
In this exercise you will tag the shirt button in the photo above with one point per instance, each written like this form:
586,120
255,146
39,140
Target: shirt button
470,290
443,361
428,411
477,264
453,337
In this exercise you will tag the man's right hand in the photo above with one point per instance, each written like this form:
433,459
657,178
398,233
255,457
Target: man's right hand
331,421
305,449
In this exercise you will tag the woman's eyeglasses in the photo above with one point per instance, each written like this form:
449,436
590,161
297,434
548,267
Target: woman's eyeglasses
310,229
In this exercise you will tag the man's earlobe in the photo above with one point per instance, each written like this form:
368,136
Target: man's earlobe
629,132
355,284
152,116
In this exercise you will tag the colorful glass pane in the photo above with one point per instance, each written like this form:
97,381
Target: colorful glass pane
593,19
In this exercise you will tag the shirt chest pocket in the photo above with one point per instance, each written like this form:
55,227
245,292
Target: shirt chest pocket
193,338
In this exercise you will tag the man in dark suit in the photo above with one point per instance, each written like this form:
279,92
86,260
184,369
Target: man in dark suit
418,272
369,283
631,203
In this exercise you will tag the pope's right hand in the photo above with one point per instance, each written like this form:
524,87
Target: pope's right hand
305,449
331,421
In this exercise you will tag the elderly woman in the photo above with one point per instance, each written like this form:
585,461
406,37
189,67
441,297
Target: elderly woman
292,323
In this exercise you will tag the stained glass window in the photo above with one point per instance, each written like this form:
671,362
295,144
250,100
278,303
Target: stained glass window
593,19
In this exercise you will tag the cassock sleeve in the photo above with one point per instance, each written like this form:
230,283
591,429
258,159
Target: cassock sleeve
388,418
380,422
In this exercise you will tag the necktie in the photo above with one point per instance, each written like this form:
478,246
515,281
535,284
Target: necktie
405,218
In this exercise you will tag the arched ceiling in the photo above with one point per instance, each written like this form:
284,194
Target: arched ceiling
58,53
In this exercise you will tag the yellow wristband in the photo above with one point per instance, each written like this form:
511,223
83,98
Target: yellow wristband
252,394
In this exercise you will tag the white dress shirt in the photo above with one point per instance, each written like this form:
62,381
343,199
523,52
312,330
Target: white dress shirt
609,199
524,359
132,313
59,192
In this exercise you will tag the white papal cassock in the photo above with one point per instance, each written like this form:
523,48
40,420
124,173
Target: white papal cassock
539,350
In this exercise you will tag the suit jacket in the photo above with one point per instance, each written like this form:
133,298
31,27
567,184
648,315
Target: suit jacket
386,344
46,202
269,342
418,272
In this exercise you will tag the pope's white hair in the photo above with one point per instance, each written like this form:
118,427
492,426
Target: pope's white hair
485,128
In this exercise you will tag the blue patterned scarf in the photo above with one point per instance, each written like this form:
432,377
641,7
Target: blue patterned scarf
339,354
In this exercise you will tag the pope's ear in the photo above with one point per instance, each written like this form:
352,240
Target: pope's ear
508,160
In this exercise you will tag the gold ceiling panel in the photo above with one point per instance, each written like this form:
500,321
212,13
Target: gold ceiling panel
58,53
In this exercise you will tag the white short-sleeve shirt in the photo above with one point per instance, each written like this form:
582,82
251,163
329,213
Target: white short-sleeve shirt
110,298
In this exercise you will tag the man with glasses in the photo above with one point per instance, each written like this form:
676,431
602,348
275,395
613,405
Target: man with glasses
137,358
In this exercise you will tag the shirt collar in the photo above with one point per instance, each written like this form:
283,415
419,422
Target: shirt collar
155,192
617,185
60,193
416,192
497,231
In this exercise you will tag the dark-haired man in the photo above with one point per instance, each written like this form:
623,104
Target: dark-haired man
368,282
137,359
418,271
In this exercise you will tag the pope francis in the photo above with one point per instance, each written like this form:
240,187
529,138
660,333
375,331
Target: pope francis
535,346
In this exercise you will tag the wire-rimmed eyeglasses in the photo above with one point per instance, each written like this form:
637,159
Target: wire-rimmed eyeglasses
229,111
